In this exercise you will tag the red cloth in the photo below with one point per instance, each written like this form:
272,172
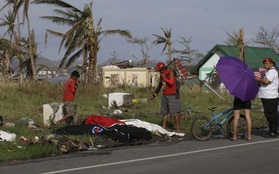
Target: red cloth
69,90
169,89
102,121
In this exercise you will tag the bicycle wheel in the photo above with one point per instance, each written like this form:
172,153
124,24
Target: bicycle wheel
201,128
241,127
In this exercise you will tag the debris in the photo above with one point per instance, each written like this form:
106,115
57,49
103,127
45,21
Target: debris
27,121
23,139
140,100
118,111
6,136
9,125
34,140
2,121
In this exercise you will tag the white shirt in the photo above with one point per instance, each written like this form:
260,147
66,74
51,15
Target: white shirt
270,91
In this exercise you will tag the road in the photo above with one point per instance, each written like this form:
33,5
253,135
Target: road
217,155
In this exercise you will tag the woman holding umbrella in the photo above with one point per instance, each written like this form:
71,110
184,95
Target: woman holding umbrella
238,104
241,83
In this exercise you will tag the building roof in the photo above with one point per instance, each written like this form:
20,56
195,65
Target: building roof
253,55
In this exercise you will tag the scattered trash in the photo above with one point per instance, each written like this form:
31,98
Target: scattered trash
9,125
67,145
6,136
27,121
34,140
20,147
50,136
117,111
2,121
23,139
105,108
140,100
118,99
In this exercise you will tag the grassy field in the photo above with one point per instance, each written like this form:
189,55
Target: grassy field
26,100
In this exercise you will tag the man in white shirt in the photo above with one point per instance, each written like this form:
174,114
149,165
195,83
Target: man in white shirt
268,93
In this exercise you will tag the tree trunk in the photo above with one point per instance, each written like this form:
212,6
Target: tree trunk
17,41
92,64
170,55
33,63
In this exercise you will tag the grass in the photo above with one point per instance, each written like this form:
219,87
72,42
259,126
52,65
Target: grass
26,100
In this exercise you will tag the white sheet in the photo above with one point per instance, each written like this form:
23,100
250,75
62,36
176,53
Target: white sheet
154,128
6,136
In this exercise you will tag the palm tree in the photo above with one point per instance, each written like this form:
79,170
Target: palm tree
83,38
8,21
30,39
166,39
17,4
11,50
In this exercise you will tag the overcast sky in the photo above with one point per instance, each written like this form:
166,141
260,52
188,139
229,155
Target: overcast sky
205,21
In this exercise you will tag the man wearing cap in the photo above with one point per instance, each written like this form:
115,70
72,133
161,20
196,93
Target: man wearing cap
268,93
170,103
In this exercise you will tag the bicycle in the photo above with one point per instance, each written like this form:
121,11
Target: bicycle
203,127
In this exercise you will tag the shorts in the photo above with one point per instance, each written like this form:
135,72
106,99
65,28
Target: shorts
170,105
70,108
239,104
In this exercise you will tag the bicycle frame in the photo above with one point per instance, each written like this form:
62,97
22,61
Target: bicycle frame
215,117
203,127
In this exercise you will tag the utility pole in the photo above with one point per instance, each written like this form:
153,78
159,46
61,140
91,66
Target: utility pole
241,45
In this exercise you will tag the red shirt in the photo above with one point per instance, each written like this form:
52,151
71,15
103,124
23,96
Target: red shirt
69,90
169,89
102,121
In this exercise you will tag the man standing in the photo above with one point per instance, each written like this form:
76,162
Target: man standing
268,93
170,104
70,109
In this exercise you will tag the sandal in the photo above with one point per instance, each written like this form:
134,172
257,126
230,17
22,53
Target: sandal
233,139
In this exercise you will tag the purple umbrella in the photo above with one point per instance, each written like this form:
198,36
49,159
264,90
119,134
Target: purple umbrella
238,78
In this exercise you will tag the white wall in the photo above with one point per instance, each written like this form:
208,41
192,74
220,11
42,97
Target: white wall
142,77
209,65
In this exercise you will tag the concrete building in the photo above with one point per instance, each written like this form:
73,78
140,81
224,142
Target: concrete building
114,76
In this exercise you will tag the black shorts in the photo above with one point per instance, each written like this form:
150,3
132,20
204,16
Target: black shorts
239,104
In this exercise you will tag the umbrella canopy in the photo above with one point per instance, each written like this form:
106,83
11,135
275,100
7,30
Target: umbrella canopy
238,78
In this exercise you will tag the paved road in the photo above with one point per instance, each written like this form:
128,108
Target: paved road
218,155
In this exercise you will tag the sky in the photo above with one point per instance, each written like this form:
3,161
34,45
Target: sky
204,21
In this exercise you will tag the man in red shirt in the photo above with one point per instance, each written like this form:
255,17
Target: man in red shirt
170,103
70,108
